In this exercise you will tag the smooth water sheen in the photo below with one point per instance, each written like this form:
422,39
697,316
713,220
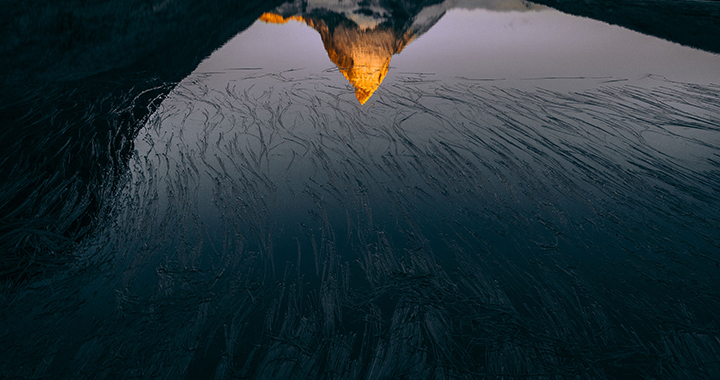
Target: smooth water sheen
524,194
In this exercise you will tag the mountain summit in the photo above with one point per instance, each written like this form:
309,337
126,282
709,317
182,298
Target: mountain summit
362,36
362,54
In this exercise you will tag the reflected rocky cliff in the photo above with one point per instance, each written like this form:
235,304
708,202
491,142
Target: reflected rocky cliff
361,53
361,37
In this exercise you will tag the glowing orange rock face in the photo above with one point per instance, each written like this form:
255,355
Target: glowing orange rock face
272,18
362,54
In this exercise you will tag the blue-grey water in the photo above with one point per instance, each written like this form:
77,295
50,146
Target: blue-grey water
527,194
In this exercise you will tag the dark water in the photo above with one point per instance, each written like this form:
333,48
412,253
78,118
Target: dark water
523,194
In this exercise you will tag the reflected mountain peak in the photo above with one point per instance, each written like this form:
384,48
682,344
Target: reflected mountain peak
274,18
361,37
362,52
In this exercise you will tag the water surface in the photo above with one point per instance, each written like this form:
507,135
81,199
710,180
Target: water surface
480,190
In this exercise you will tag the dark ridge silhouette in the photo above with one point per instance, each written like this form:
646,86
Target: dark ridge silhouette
694,23
78,77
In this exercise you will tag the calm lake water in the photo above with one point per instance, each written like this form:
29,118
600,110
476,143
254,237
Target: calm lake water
479,190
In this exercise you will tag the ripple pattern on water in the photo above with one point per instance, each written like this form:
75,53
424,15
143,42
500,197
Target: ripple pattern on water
451,229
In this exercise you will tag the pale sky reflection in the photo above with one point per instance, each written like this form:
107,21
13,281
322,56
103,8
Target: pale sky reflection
514,45
481,44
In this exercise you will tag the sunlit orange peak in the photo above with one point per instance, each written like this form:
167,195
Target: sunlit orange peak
362,55
366,75
274,18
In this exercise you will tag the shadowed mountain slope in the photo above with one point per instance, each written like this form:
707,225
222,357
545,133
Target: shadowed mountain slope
693,23
77,78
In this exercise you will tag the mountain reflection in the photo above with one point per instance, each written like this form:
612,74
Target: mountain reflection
361,37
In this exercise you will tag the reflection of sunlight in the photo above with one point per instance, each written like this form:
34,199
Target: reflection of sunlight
485,39
272,18
362,54
360,39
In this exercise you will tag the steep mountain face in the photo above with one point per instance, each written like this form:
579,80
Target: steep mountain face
362,53
362,37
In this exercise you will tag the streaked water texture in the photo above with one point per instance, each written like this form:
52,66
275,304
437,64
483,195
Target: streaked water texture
550,217
275,229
